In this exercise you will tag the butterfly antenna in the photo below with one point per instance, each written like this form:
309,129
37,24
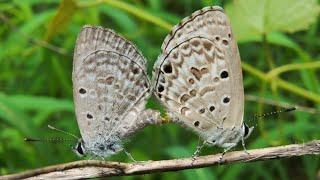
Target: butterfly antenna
272,113
46,139
65,132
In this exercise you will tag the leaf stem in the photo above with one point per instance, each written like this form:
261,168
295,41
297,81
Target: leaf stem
282,84
291,67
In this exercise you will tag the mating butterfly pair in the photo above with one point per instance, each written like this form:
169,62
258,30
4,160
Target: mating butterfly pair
197,77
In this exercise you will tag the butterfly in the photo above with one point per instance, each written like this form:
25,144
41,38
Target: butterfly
198,78
110,89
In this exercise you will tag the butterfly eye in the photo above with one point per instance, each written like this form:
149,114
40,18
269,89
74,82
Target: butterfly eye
111,147
246,130
79,149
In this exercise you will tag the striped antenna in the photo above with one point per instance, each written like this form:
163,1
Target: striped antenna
272,113
55,139
51,140
65,132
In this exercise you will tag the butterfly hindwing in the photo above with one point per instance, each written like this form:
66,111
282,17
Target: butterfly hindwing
109,84
198,76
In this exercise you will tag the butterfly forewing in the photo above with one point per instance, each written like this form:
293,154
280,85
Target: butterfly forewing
110,82
198,76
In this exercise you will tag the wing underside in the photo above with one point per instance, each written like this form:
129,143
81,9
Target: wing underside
198,76
109,80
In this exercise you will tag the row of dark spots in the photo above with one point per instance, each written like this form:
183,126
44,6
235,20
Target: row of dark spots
211,108
160,90
167,68
89,116
203,110
224,41
197,123
223,75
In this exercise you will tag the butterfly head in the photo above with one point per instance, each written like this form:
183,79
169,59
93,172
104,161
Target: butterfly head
228,137
246,130
97,149
79,148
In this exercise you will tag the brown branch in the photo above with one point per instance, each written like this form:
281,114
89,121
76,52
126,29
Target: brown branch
95,168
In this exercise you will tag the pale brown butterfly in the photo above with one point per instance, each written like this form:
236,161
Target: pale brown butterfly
198,78
110,88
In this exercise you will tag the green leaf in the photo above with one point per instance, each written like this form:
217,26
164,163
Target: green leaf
252,18
12,115
39,103
290,15
282,40
62,76
121,18
22,34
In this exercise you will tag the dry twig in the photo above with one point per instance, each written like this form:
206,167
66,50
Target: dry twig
95,168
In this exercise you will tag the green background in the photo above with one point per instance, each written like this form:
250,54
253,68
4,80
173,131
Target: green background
279,45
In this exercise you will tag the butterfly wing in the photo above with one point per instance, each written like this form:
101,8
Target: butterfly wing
109,82
198,76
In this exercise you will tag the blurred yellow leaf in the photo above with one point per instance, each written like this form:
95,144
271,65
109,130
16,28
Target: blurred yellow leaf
65,12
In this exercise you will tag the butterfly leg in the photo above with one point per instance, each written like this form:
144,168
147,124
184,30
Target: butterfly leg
244,146
198,150
96,157
223,153
129,155
101,158
230,145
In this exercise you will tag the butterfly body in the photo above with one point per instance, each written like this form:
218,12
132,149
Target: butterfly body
198,78
110,89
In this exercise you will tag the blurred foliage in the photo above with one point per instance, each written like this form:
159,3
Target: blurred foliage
279,46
